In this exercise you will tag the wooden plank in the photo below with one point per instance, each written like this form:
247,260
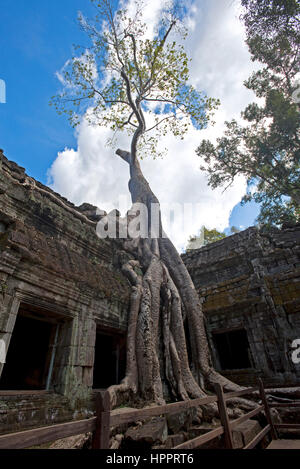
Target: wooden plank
287,425
24,393
39,436
101,435
224,417
258,437
118,417
245,417
243,392
292,404
284,444
200,440
267,409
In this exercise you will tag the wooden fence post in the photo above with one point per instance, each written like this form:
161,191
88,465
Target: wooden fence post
267,409
224,416
102,433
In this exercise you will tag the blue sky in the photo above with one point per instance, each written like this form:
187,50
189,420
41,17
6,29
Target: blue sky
36,40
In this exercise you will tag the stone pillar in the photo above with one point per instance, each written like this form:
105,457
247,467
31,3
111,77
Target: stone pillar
8,313
275,330
73,369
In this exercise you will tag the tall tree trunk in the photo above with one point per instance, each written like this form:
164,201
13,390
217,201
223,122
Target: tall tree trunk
163,297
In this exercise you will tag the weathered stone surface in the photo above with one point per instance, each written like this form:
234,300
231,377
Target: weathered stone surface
175,440
153,432
21,412
251,281
237,440
72,442
49,235
245,432
116,441
181,420
52,261
199,430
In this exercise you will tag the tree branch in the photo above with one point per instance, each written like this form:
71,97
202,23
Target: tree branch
107,101
139,115
125,155
136,62
158,123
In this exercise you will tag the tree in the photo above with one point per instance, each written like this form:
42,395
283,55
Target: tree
113,83
234,230
206,237
211,236
265,148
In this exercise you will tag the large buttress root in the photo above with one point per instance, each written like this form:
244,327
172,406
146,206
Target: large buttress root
193,308
157,311
163,296
129,386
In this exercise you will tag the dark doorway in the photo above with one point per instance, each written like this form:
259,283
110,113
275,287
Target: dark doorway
28,356
110,360
233,349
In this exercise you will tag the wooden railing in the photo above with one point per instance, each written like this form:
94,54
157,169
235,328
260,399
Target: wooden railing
226,426
288,426
105,418
39,436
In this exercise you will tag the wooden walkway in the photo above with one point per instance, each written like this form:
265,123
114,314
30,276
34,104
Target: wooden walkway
284,444
100,424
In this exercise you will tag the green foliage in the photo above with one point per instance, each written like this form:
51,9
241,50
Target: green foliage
266,148
211,236
127,81
206,237
234,230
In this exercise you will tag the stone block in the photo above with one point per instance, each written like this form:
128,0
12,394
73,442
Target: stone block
85,356
181,420
245,432
175,440
9,325
153,432
67,356
78,373
199,430
5,340
87,376
237,439
89,332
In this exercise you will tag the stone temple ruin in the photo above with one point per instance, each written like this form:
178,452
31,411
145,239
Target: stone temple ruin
250,287
64,305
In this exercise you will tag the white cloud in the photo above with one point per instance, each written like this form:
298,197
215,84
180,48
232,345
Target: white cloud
150,9
220,64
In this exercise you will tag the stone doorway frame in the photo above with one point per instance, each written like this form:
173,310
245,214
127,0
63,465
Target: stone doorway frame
49,312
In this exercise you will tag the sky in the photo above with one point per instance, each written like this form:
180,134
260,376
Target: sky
36,41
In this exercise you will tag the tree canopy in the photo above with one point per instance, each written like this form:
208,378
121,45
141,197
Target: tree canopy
128,80
134,81
265,147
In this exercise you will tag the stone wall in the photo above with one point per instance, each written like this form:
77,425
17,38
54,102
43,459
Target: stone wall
53,264
251,281
55,268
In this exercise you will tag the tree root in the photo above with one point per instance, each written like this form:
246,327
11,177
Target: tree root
157,356
163,297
